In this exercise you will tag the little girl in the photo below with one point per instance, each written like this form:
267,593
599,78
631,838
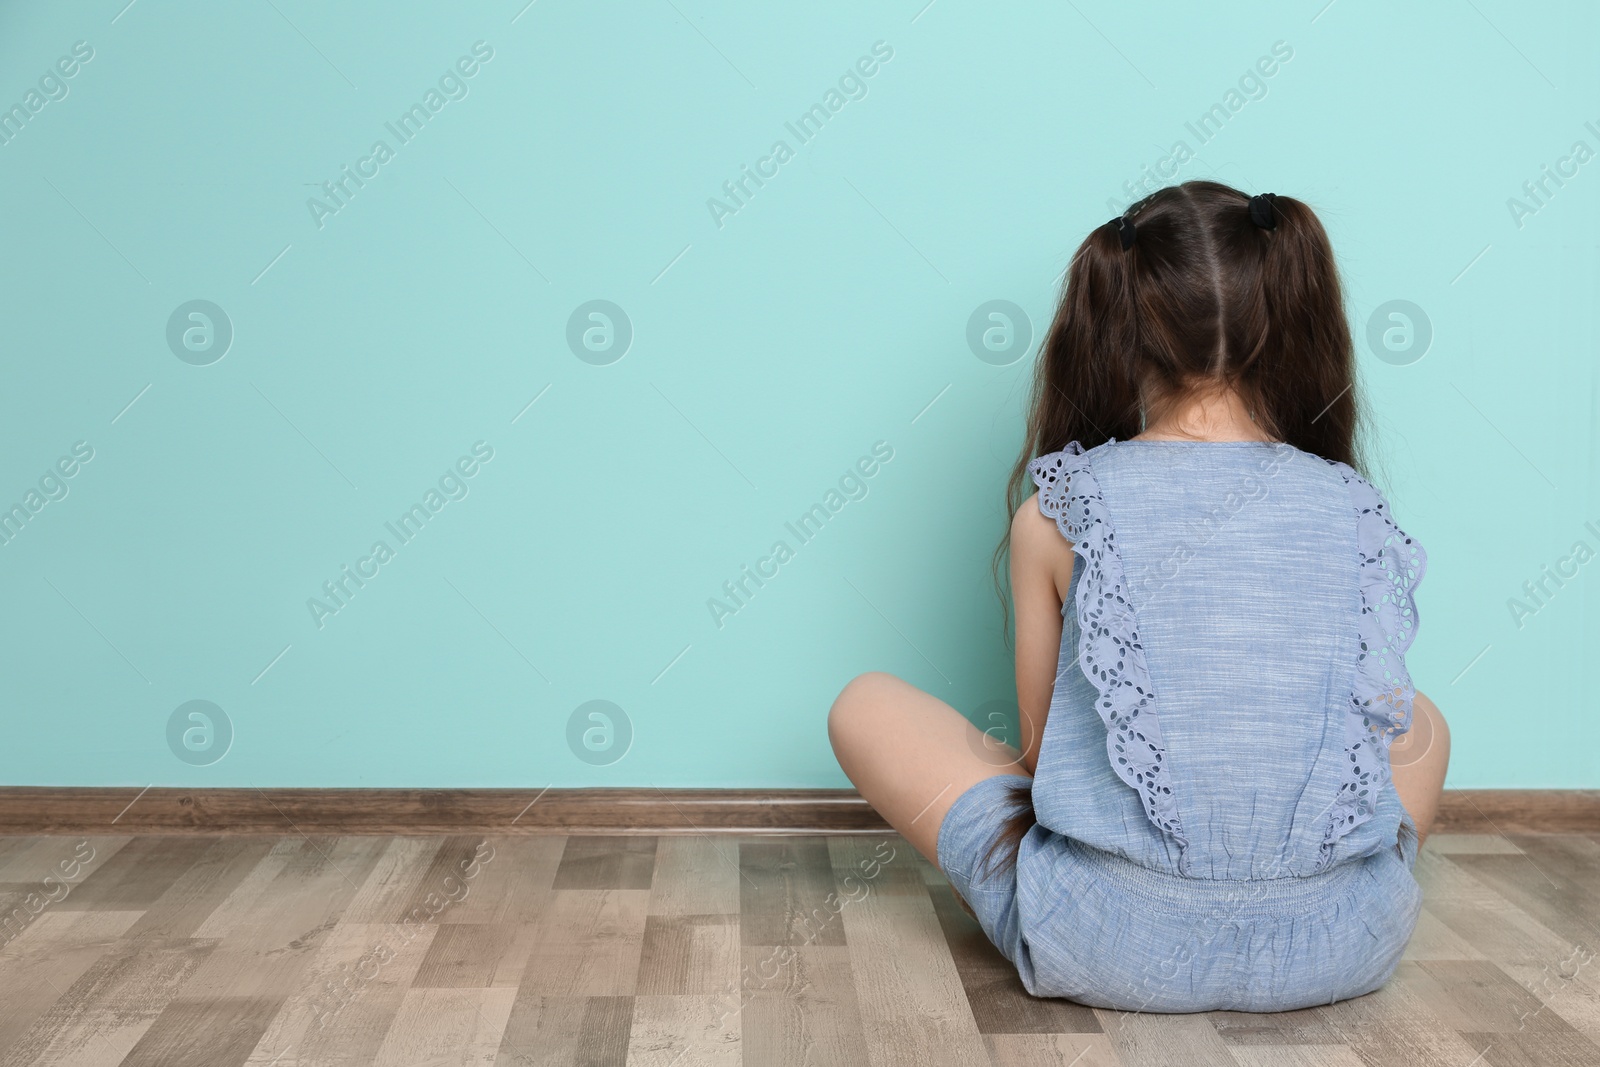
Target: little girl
1213,609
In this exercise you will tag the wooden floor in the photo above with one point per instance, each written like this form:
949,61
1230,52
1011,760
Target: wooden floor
222,950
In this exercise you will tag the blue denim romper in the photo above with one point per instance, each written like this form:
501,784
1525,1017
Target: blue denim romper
1216,824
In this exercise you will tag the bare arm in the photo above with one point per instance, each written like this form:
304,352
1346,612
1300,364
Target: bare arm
1041,574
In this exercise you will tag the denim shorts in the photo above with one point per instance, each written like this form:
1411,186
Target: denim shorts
1091,926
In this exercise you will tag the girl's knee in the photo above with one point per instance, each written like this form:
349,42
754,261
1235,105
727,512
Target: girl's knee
858,709
1438,728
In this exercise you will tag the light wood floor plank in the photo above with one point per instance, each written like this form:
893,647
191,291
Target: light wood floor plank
566,1032
1476,995
786,890
216,872
31,859
1482,917
1145,1037
447,1028
914,1010
1553,881
1296,1056
1566,987
56,950
96,1021
1550,1049
242,900
603,862
695,875
10,845
444,886
1244,1029
1051,1050
346,998
689,954
673,1030
886,866
1433,940
512,877
800,1006
388,890
137,873
1394,1027
264,954
1471,845
476,956
587,943
214,1032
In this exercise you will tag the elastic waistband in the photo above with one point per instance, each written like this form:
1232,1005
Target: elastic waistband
1215,898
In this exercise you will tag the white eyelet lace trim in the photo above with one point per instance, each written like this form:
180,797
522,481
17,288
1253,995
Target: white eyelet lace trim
1381,696
1109,651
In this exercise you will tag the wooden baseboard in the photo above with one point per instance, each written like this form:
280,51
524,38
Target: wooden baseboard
83,810
1519,811
61,810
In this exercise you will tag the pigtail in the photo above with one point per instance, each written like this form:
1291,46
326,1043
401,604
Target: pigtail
1001,855
1304,372
1084,385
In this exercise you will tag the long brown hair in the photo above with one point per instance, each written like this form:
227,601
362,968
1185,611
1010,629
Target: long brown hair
1203,298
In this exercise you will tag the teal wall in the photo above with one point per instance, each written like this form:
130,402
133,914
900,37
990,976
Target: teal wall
375,343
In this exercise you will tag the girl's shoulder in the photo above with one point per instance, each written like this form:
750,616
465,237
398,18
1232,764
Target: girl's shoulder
1151,476
1195,462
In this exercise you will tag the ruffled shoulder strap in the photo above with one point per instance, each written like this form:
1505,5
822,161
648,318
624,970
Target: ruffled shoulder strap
1391,566
1109,652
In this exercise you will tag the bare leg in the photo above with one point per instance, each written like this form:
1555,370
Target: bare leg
911,754
1418,760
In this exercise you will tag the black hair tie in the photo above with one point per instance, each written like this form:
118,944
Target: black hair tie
1262,211
1125,231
